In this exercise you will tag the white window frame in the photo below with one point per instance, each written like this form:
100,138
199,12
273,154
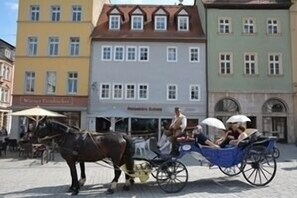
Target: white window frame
192,54
127,91
274,63
30,82
160,23
141,90
7,53
134,22
55,13
108,91
248,24
248,64
74,46
114,20
122,54
194,86
172,54
76,14
140,53
225,62
34,13
51,82
128,53
180,22
273,24
53,46
116,91
103,47
168,92
225,26
32,46
72,80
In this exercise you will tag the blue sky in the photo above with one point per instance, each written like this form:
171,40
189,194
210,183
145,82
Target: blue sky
9,12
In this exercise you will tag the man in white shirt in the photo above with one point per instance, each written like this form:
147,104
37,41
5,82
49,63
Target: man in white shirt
176,129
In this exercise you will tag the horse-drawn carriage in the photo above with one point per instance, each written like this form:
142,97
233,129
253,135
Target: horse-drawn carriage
255,158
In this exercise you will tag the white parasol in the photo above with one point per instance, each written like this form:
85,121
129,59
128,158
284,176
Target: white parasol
238,118
214,122
37,113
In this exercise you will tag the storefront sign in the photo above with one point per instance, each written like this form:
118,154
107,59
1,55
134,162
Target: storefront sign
29,100
159,109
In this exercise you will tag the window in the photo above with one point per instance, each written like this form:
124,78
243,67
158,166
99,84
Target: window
171,92
275,64
131,53
248,26
130,92
7,53
32,46
4,95
143,54
250,63
194,54
142,92
50,82
225,63
30,82
53,46
183,23
171,54
104,91
117,91
72,82
194,92
272,26
74,46
160,22
56,12
5,71
34,13
76,13
106,53
224,25
114,22
137,23
118,53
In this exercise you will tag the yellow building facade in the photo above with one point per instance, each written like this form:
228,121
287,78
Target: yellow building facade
53,56
293,18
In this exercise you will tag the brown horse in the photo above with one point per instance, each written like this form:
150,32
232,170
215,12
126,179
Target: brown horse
76,146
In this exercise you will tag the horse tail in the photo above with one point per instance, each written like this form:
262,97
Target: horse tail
128,154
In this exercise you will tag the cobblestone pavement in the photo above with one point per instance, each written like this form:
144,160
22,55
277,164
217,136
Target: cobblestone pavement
28,178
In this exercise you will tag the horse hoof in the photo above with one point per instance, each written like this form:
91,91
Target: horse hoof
132,182
110,191
126,188
70,190
74,192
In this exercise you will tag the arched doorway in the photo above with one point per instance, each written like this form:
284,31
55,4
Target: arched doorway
275,119
225,108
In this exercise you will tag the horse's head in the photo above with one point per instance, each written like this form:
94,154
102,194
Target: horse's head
50,129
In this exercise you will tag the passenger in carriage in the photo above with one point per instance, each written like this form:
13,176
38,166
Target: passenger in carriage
203,139
231,133
242,136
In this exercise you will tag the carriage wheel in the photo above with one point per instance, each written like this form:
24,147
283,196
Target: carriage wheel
172,176
259,169
154,169
231,171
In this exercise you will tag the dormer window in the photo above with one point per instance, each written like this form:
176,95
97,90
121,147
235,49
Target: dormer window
137,22
183,23
160,22
114,22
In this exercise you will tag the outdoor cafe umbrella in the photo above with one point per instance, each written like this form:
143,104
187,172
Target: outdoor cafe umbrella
36,113
238,118
214,122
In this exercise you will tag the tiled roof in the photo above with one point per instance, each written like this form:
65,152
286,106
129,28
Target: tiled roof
102,32
252,4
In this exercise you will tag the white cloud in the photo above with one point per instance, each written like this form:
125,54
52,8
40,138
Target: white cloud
14,6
